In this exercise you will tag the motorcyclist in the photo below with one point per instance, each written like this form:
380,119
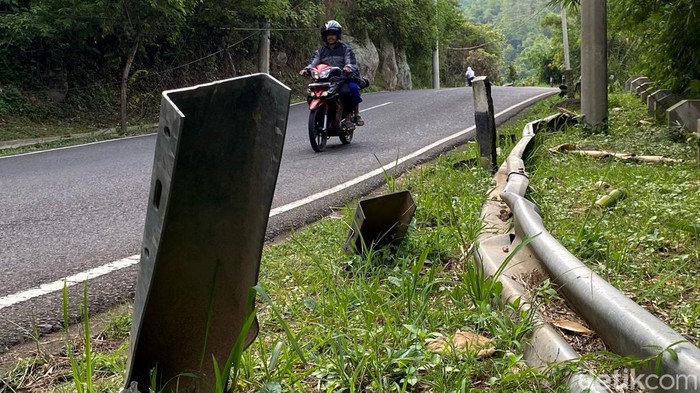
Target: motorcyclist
469,76
336,53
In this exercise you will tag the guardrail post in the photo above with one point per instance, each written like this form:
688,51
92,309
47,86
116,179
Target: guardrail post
634,84
485,123
628,83
654,98
684,113
216,163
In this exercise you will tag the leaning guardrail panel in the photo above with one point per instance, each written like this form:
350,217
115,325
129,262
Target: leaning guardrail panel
215,169
624,326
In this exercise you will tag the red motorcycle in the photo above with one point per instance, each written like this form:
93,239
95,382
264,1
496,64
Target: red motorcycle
330,112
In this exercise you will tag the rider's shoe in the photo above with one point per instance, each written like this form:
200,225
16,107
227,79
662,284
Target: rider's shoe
358,120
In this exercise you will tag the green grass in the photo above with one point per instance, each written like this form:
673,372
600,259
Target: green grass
333,322
647,244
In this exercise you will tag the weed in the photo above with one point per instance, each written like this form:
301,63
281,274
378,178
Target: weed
82,368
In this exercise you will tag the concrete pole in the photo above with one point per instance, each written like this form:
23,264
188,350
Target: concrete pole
594,63
567,62
568,74
436,67
264,49
436,52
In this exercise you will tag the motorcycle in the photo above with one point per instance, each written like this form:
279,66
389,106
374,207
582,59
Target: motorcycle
330,113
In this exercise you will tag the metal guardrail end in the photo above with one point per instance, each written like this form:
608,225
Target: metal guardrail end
380,221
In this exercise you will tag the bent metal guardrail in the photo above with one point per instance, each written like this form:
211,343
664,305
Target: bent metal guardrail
546,345
622,324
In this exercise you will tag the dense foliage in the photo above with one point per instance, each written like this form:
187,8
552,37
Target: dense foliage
531,40
661,40
79,53
656,38
71,58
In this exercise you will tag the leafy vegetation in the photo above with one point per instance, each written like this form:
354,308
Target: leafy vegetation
656,38
387,320
95,63
530,45
647,244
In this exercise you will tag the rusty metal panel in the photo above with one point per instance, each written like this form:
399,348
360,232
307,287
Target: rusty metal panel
218,152
380,221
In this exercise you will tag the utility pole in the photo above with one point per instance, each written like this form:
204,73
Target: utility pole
264,49
436,52
568,74
594,63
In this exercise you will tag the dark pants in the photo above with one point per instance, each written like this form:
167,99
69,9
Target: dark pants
351,91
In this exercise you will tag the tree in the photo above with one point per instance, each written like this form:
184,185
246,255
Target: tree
657,38
141,20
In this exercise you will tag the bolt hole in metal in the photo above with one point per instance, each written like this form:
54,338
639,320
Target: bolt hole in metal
166,131
157,194
146,253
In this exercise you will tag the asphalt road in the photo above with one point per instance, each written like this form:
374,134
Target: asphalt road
66,211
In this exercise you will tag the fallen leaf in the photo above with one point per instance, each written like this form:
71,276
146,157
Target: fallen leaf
602,184
645,122
572,326
438,345
463,342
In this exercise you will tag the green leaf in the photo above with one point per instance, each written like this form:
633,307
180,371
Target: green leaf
271,387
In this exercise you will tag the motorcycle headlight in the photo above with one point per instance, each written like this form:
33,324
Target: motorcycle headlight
325,73
314,73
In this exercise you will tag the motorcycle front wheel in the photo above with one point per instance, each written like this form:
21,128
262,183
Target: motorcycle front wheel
347,137
317,136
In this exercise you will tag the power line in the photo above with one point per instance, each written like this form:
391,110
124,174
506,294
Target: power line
264,29
151,73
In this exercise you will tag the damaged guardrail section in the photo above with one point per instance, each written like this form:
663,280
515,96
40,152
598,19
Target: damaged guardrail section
546,345
625,327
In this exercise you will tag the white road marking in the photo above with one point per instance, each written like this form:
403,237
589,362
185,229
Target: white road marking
57,285
74,146
376,106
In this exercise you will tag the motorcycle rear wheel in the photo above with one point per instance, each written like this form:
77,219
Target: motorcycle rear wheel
317,136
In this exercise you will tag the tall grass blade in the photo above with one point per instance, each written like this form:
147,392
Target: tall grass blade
87,341
278,314
233,361
74,365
